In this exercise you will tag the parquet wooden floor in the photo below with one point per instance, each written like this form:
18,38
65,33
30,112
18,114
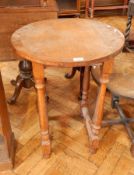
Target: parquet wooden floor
70,144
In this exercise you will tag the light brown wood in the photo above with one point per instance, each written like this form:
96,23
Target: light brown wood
106,70
38,71
52,35
47,38
70,143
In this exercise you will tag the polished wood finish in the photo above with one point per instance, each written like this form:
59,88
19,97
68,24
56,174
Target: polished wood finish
6,134
48,37
90,7
77,53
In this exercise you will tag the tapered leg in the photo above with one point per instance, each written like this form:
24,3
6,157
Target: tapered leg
38,72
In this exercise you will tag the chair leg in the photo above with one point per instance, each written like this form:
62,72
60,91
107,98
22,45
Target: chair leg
114,100
127,126
122,120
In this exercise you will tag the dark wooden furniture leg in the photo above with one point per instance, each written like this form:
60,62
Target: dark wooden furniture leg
81,69
6,134
71,75
24,79
38,72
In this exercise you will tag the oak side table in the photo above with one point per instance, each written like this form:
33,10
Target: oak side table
69,43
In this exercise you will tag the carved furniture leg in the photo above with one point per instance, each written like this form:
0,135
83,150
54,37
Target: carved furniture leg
38,72
71,74
93,136
6,134
106,70
24,79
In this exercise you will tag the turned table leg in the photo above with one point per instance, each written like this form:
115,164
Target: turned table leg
38,72
106,70
84,107
94,139
93,125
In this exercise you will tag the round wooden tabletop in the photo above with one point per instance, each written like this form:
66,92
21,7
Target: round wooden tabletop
67,42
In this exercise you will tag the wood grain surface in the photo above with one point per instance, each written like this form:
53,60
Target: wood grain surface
67,42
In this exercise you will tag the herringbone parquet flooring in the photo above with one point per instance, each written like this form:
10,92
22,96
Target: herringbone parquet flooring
70,144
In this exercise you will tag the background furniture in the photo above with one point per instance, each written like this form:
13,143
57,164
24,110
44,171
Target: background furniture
91,8
129,35
16,15
69,7
6,134
48,38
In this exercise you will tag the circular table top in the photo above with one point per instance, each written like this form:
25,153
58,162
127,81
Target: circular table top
67,42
